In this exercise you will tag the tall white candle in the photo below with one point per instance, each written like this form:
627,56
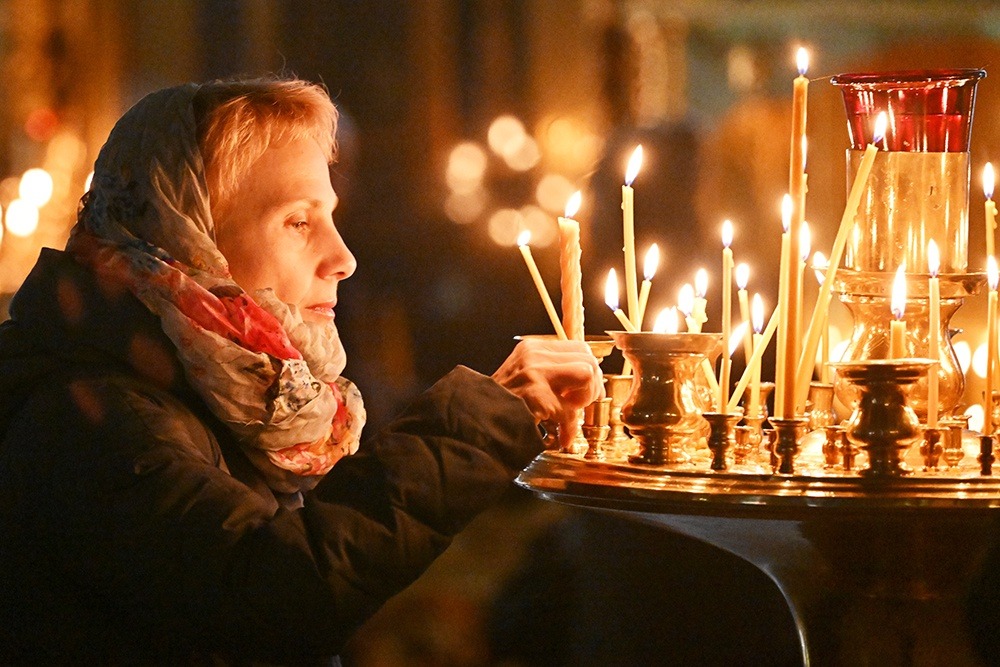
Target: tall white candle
742,274
628,224
780,378
757,318
727,310
989,181
571,275
992,278
847,222
933,324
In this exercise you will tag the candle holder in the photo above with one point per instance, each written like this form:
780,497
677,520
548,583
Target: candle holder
883,424
931,448
953,445
745,446
918,191
786,442
833,446
720,436
661,411
616,387
596,428
819,405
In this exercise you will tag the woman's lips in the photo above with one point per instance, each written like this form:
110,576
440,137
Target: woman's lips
323,309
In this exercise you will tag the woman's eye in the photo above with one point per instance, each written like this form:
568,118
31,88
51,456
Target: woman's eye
299,224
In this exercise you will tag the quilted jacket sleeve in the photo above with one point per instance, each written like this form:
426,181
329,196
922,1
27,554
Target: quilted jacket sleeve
128,509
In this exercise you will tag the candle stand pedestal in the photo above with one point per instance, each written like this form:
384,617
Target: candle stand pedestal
874,570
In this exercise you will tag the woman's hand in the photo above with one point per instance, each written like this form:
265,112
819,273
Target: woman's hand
555,378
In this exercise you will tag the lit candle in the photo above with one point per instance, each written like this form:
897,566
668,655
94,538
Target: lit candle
611,298
757,315
805,247
797,190
727,307
989,181
700,302
780,380
649,266
742,279
628,222
847,222
571,280
758,353
522,244
934,288
992,278
685,304
897,328
820,265
666,321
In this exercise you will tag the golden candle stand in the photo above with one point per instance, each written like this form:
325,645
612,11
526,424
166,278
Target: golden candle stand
874,570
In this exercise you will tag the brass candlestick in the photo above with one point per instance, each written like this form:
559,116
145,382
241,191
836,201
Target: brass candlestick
660,411
883,424
720,436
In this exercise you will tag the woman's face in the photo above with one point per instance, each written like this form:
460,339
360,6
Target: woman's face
278,232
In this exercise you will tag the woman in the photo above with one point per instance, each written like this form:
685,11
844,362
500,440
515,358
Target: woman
174,430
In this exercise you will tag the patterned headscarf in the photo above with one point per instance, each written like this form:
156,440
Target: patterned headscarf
271,377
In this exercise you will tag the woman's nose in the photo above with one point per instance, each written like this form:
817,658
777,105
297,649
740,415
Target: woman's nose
339,262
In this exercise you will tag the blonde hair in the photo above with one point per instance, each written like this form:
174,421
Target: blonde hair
238,120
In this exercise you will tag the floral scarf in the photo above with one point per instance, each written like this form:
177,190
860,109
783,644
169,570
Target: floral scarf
271,377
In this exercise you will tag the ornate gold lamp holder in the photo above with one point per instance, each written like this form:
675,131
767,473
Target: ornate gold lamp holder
871,527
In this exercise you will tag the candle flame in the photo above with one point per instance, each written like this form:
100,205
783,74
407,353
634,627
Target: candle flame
757,313
701,283
989,180
651,262
666,321
524,237
685,299
802,60
786,213
736,337
742,275
992,273
727,233
820,264
933,258
611,290
805,242
573,204
634,163
881,125
898,302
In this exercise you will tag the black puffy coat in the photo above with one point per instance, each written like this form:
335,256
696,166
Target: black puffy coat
132,528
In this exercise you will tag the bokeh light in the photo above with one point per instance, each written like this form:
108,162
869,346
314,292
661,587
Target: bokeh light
465,207
21,218
504,226
466,166
979,361
35,187
552,192
525,157
506,135
964,354
542,226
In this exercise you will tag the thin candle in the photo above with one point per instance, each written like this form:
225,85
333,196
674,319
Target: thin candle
611,298
758,353
989,182
897,328
536,277
727,360
649,266
700,302
727,307
819,266
757,318
784,273
934,323
571,275
742,279
628,224
992,278
847,225
685,304
797,190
